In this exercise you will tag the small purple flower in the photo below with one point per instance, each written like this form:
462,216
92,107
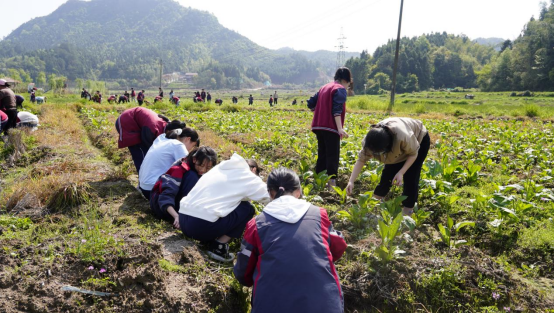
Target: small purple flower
83,241
495,295
544,199
507,309
102,270
91,267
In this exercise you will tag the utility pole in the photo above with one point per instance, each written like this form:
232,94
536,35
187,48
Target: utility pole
161,66
393,87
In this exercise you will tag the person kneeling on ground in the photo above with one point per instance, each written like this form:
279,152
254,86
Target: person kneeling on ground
41,99
215,211
19,101
27,120
165,151
298,245
178,181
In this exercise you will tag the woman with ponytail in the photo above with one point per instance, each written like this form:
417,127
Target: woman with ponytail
166,150
402,145
288,253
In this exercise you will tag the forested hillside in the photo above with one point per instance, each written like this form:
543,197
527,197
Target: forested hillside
124,39
442,60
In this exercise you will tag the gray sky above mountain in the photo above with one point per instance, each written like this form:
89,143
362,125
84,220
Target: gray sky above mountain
311,25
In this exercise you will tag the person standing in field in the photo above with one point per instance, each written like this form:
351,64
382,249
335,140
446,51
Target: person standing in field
250,100
133,95
271,101
275,96
33,97
329,107
8,104
288,253
140,97
402,145
161,92
138,128
203,95
177,183
216,209
209,97
127,95
171,95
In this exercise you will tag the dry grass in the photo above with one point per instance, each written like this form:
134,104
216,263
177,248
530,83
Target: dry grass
223,147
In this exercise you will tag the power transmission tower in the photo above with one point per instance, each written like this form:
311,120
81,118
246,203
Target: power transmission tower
341,53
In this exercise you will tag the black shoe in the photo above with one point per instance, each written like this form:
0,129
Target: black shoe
220,252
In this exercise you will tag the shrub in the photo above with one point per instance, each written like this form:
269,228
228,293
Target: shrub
531,110
420,108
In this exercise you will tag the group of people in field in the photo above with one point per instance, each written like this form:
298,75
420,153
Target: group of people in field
10,115
288,250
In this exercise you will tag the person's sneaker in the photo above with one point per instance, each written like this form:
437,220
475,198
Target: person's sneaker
220,252
407,211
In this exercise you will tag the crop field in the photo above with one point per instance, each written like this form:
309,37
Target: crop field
481,238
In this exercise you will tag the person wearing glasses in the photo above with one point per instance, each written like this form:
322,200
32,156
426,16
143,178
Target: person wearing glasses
402,145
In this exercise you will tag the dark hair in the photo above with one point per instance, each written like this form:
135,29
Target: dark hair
379,139
283,180
185,132
204,153
343,73
252,163
173,125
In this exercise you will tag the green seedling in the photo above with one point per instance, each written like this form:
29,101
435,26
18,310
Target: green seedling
446,235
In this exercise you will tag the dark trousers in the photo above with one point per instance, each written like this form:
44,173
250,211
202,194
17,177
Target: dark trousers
137,153
274,101
328,152
411,177
140,102
146,193
232,225
12,119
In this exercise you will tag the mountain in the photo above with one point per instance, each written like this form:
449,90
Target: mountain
327,59
493,42
125,39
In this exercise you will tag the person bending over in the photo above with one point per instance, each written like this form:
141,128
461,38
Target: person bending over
165,151
402,145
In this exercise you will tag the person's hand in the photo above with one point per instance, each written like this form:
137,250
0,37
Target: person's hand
343,134
349,188
176,223
398,179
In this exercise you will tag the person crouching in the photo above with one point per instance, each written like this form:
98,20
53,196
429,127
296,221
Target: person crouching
288,253
216,210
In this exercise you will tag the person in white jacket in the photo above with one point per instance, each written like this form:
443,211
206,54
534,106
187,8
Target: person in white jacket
166,150
217,208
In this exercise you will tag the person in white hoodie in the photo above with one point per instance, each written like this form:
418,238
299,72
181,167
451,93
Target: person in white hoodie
288,253
166,150
217,208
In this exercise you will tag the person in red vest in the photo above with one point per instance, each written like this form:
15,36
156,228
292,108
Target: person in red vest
329,107
140,97
138,128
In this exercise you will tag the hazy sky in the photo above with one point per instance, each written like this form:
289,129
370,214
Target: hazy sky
314,25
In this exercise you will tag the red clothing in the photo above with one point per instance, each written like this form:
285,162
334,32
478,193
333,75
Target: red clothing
323,115
3,116
131,123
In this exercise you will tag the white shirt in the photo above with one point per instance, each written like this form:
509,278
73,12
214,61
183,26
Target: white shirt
220,190
27,117
161,155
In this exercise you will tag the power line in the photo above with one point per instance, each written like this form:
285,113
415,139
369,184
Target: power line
341,47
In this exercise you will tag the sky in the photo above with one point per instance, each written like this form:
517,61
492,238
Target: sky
311,25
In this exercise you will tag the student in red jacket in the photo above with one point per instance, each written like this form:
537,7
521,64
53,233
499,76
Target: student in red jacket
178,181
138,128
329,106
288,253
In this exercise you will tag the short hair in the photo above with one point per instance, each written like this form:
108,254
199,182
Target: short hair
202,154
343,73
